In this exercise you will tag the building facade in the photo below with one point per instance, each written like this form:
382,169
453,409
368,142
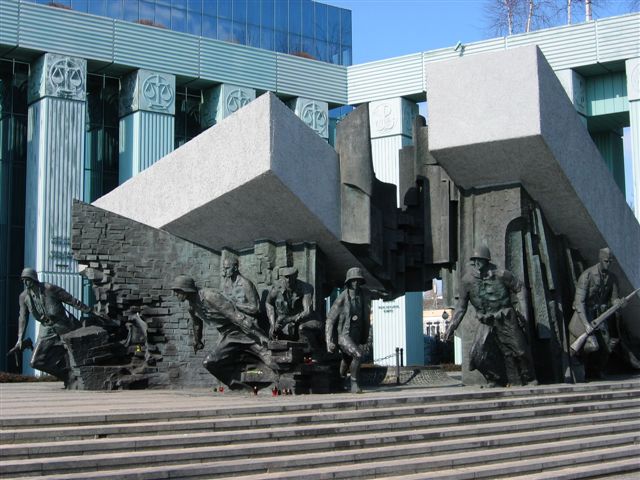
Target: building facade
93,92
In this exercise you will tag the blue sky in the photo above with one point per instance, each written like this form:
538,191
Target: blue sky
390,28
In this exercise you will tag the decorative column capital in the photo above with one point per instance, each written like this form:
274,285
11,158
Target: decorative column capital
59,76
223,100
392,117
148,91
313,113
576,87
633,79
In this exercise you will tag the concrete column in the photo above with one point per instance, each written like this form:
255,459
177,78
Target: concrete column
313,113
223,100
397,323
576,87
147,106
55,164
633,94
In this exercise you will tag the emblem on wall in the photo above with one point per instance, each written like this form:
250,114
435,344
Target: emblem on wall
150,91
158,92
384,118
236,99
54,75
392,117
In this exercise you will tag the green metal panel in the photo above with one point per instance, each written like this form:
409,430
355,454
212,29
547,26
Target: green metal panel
237,64
307,78
57,30
9,10
607,94
156,49
610,146
618,37
395,77
563,47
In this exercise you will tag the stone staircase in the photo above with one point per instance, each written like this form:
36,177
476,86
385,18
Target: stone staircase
553,432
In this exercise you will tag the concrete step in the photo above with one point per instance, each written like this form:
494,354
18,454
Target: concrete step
351,420
481,462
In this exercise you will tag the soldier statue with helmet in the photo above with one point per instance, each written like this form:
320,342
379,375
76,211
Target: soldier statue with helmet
348,326
45,302
490,291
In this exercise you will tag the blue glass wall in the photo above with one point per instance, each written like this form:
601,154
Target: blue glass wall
299,27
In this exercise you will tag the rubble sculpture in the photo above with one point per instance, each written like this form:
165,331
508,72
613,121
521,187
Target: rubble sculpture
289,307
596,292
348,326
240,341
489,290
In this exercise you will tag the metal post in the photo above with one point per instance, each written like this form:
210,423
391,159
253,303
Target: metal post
398,365
402,357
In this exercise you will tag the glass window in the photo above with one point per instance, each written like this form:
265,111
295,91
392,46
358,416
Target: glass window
225,30
163,16
240,11
239,33
80,5
333,24
209,29
98,7
147,11
196,5
253,12
253,36
321,51
114,9
164,2
320,22
308,49
334,53
295,17
224,8
346,55
266,14
282,15
266,39
178,20
345,27
194,24
295,43
130,13
281,42
307,18
179,4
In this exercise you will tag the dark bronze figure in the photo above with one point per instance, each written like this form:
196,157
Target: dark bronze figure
241,341
45,302
348,326
289,307
596,291
500,341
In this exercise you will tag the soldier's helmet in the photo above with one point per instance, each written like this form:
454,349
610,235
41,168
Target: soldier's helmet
184,283
288,271
354,273
29,273
481,251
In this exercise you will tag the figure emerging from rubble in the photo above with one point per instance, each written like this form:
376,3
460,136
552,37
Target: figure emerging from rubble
241,341
348,320
45,302
489,290
289,307
596,292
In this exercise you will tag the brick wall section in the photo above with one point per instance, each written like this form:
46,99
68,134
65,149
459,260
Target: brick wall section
132,267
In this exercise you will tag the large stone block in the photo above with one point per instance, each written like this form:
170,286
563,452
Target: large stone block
503,118
260,173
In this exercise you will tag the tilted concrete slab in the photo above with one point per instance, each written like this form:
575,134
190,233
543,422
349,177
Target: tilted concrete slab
503,118
260,173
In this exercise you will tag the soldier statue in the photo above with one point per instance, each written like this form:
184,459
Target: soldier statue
45,302
289,307
233,313
596,291
489,290
348,320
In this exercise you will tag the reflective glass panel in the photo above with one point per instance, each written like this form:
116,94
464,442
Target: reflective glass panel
253,36
281,40
320,22
295,43
224,8
80,5
196,5
253,12
333,24
239,11
266,14
345,28
308,48
239,33
194,23
179,4
295,17
147,10
307,18
209,28
114,9
98,7
178,20
266,39
130,13
282,15
163,16
225,30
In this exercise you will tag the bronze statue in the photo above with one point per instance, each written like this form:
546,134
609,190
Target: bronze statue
45,302
348,319
289,307
489,290
596,291
241,341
